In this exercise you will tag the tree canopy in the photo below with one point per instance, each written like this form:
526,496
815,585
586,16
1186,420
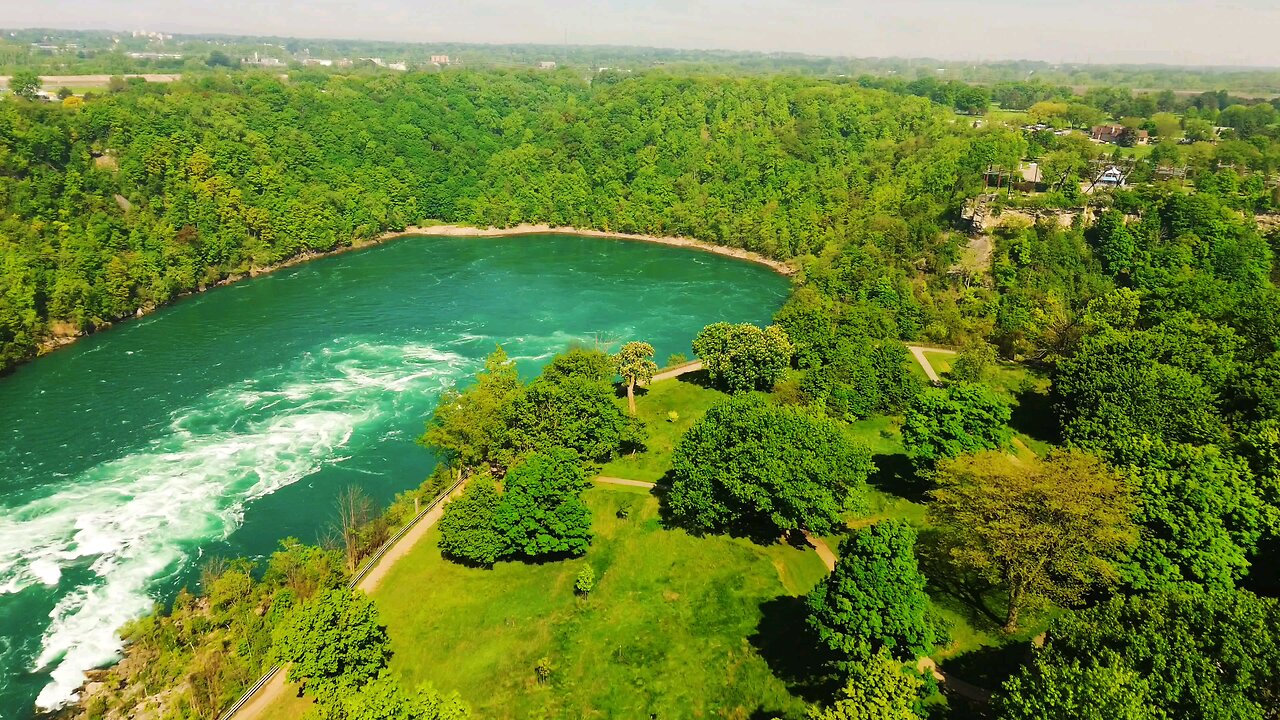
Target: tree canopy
874,600
946,423
877,689
333,642
542,512
750,467
1179,653
743,357
1041,529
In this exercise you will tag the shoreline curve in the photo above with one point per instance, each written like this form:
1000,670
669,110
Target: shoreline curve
778,266
56,341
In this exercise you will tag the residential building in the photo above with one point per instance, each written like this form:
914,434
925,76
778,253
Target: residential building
1113,134
1112,176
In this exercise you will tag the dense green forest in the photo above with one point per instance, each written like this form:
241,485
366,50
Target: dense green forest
1141,529
132,198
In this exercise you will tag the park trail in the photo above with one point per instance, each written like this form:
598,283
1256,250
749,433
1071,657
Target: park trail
918,352
267,696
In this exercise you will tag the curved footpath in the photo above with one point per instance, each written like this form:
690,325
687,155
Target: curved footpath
269,691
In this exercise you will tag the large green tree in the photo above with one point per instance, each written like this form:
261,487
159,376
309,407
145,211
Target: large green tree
751,467
1198,512
962,418
470,426
874,600
468,527
576,413
1099,689
1041,529
743,357
25,84
542,512
333,642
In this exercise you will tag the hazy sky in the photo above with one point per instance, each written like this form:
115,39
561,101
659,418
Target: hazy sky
1227,32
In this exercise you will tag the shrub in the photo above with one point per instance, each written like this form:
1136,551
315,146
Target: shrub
468,531
586,580
543,670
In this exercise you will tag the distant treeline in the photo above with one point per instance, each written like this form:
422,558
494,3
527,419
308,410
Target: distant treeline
99,52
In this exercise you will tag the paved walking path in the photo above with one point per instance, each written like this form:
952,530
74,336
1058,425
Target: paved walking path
677,371
918,351
402,547
624,481
272,692
824,552
266,697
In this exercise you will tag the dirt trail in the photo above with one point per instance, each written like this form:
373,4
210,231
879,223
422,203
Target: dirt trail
266,697
624,481
824,551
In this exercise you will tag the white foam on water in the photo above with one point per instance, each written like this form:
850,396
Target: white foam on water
137,519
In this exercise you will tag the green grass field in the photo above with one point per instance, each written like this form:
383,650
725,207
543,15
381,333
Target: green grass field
677,626
894,492
689,400
940,361
667,632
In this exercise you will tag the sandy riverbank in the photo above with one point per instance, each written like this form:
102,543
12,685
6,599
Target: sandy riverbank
777,266
56,339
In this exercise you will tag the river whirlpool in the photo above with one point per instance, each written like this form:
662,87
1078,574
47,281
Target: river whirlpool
231,420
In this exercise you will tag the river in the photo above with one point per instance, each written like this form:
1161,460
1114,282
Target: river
232,419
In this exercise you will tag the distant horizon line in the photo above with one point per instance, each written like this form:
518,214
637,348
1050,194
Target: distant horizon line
1072,64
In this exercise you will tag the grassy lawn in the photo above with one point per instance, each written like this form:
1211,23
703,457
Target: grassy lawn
671,629
689,400
940,361
677,626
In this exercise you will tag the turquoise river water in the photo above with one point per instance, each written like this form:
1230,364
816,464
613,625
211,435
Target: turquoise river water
232,419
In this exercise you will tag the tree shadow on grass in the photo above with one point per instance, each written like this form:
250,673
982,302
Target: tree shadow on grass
896,475
989,666
790,648
699,378
1033,416
954,586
